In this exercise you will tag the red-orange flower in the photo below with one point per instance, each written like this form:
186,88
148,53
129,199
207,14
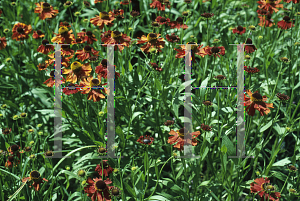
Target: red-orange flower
172,38
64,60
285,23
51,81
77,71
3,43
71,89
38,34
115,37
265,20
147,140
64,24
251,70
6,131
101,19
64,36
12,161
45,10
106,168
66,50
95,94
35,176
294,1
159,5
101,70
162,20
152,40
118,14
215,51
249,48
240,30
179,138
178,24
270,5
45,47
264,189
256,102
125,2
43,66
195,50
88,37
20,31
98,189
86,53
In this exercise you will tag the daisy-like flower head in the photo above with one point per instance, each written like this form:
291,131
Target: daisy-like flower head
13,149
266,21
284,59
125,2
45,10
264,189
240,30
178,24
94,93
152,40
45,48
64,36
285,23
205,127
251,70
249,48
21,31
49,153
207,15
256,102
147,140
179,138
6,131
162,20
38,34
215,51
35,176
101,150
115,192
118,14
169,122
86,53
98,189
282,97
3,43
159,4
106,168
12,161
172,38
292,168
77,71
207,103
134,13
220,77
270,5
103,18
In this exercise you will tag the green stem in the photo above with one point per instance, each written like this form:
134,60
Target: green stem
285,182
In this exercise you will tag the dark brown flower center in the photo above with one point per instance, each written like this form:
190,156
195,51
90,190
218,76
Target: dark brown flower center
172,37
52,74
45,42
155,24
179,20
207,15
163,19
14,148
240,28
291,167
34,174
39,32
78,40
207,103
87,48
134,13
221,77
183,130
100,185
6,131
249,41
65,23
104,164
286,18
20,30
104,15
11,158
89,33
95,82
104,62
48,153
154,65
256,97
27,148
215,49
42,66
87,4
116,34
23,114
46,6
